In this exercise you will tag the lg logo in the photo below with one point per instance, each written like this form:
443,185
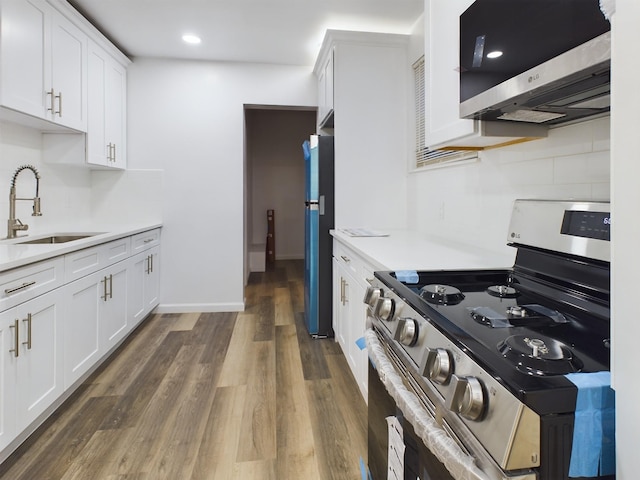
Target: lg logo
533,78
515,235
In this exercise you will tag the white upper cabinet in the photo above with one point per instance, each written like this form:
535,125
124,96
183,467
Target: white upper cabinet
444,127
42,63
325,91
68,73
24,32
441,71
107,108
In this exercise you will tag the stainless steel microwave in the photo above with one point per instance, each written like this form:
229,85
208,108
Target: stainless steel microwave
537,61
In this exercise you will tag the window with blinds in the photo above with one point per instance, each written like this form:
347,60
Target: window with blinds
424,156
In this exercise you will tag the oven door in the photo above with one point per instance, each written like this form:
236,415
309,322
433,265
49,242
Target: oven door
418,462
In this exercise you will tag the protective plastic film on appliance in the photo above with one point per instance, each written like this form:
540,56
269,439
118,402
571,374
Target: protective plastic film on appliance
444,448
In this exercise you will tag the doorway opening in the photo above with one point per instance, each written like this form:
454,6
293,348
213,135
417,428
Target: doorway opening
274,180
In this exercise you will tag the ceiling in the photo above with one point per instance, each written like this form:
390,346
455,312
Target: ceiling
287,32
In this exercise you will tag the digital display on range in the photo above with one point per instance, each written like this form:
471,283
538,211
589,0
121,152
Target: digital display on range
587,224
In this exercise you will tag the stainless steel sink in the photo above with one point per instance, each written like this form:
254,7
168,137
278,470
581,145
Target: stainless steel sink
56,239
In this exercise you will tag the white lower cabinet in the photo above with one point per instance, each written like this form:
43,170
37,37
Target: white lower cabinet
144,283
112,316
51,339
82,349
32,366
350,313
95,320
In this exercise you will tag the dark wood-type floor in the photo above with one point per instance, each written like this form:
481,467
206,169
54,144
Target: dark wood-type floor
211,396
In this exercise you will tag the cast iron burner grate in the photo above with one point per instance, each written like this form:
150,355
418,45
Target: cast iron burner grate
539,355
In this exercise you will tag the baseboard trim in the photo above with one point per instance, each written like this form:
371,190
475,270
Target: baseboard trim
199,307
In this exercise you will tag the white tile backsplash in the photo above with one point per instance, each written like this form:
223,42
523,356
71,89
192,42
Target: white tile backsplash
473,202
73,197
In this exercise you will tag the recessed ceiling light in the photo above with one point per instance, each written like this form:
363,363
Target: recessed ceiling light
494,54
192,39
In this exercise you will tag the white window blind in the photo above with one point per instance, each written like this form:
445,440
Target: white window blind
424,156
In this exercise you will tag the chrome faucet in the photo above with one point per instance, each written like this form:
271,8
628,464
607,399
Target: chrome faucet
14,224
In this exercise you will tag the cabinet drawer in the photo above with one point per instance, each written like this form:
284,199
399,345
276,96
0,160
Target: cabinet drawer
145,240
361,269
21,284
346,257
81,263
115,251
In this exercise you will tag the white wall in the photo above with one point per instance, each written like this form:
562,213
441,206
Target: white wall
472,203
186,118
625,189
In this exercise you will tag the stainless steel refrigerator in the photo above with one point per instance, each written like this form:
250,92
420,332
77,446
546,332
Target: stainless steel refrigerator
318,220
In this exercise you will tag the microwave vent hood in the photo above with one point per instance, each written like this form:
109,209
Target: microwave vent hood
559,87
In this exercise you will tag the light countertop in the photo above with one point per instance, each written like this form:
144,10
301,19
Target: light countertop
13,255
411,250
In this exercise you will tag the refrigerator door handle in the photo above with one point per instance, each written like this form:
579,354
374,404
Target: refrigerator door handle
321,205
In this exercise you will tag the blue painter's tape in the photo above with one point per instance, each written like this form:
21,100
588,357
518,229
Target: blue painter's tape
361,343
363,470
407,276
593,450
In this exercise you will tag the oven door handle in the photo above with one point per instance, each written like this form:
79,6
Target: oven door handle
461,465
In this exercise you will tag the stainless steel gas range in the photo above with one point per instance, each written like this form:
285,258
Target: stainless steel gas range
485,372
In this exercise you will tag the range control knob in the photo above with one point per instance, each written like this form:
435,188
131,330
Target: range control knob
385,308
407,331
468,399
372,295
437,365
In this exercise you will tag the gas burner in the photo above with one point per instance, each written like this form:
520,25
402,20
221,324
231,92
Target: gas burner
539,355
441,294
517,311
502,291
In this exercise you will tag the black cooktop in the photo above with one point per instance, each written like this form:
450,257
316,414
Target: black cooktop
527,340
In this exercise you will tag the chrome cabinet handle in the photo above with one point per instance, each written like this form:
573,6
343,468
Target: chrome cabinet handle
149,269
343,291
105,293
59,97
9,291
111,152
147,240
28,322
53,96
345,258
16,344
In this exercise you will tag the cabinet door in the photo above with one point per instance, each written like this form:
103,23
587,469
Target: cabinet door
442,42
68,73
97,148
81,328
8,365
113,311
107,110
325,89
24,36
152,280
115,113
340,306
39,367
136,273
358,320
